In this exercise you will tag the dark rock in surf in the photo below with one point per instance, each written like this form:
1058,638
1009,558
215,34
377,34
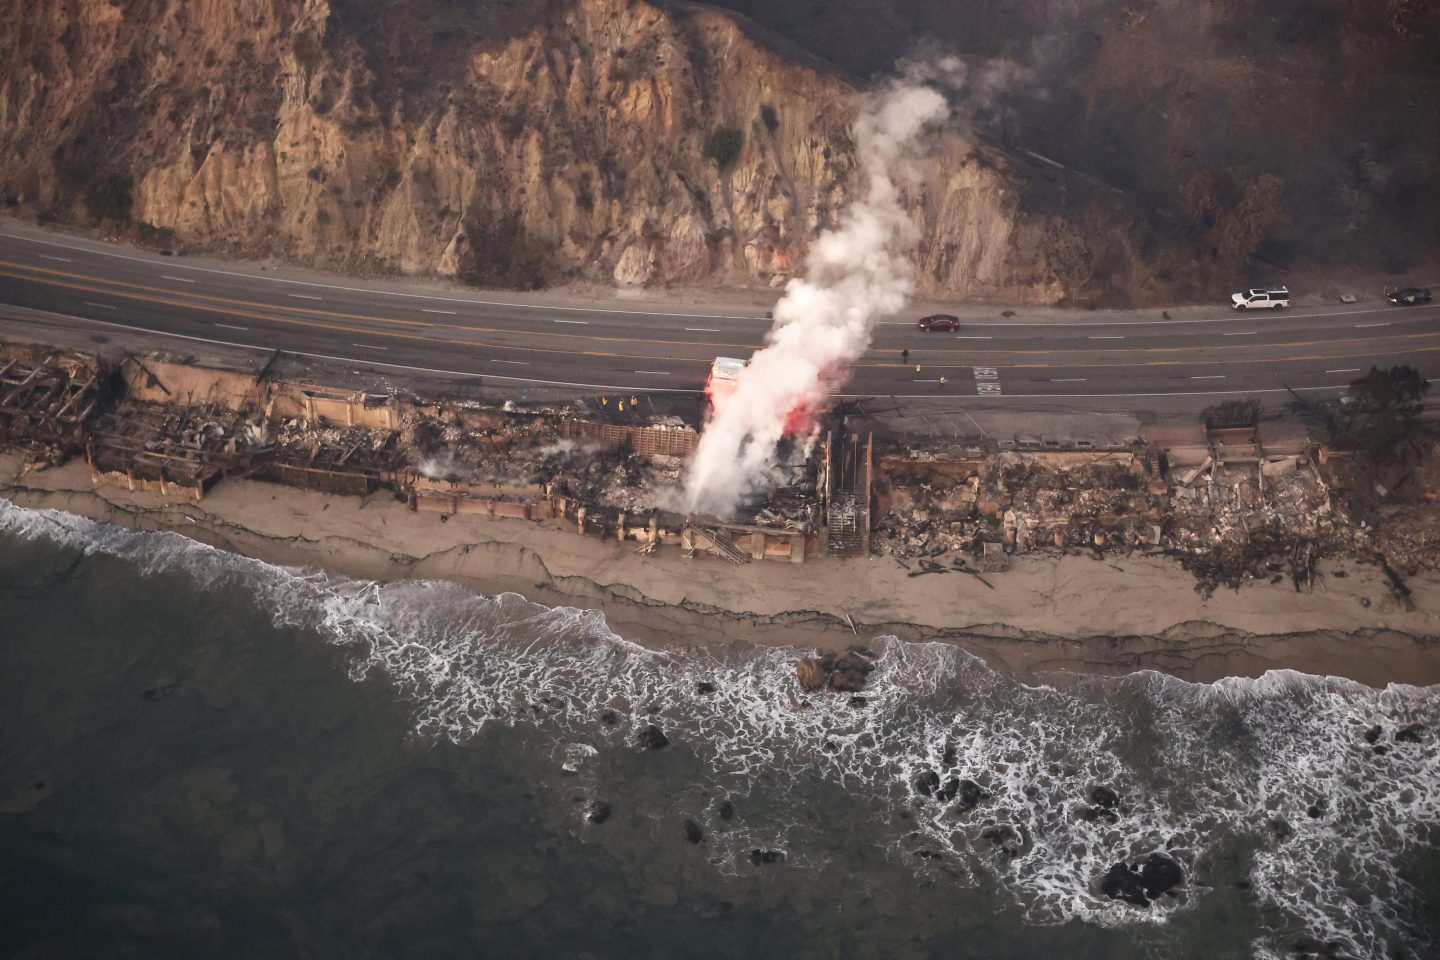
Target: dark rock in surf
693,833
949,788
842,673
850,672
1373,734
811,674
609,718
1006,837
726,810
1103,796
1281,830
1410,734
1091,814
651,738
598,811
926,783
1160,874
971,794
858,701
1123,883
758,857
704,686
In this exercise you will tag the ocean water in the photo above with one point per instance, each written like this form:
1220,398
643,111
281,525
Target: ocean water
204,755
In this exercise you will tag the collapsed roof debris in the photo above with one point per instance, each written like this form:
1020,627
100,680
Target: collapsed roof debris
1230,511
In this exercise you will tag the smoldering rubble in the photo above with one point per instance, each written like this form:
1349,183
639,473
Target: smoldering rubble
1230,510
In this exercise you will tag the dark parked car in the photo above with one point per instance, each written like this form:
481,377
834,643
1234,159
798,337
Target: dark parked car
1409,296
939,322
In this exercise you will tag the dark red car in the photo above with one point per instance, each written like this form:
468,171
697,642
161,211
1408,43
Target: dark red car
939,322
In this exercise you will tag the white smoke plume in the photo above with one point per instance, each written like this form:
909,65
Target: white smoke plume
855,272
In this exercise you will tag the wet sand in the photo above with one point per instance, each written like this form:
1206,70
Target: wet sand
1045,614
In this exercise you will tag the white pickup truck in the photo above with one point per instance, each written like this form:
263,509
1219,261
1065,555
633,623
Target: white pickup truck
1261,298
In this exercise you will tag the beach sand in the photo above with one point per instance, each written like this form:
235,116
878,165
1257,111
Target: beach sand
1047,613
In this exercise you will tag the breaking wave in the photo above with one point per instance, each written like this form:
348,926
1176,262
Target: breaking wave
1327,786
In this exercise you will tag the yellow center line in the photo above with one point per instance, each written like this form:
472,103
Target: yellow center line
335,314
251,309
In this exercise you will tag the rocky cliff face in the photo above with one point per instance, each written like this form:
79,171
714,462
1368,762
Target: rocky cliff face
603,139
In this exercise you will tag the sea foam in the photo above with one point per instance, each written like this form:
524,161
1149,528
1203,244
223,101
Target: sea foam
1278,763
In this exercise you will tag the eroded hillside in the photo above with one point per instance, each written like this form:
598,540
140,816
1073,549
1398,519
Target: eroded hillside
526,144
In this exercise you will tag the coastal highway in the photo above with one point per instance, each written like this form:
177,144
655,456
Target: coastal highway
544,340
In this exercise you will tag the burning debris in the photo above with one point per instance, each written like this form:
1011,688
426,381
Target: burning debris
856,272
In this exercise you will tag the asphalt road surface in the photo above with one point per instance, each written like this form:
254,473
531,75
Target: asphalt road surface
1056,356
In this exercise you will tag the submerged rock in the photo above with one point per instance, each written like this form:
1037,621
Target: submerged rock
949,788
1006,837
598,811
850,672
1123,883
1091,814
971,794
704,686
693,833
926,782
652,738
1410,734
1373,734
726,810
758,856
1160,874
1103,796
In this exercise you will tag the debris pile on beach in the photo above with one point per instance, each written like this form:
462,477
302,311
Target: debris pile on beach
1020,502
1228,519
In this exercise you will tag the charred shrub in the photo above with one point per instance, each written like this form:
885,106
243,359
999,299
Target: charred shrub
501,254
1384,413
109,197
308,53
723,147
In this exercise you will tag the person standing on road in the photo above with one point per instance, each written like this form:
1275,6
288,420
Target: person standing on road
905,355
942,383
917,371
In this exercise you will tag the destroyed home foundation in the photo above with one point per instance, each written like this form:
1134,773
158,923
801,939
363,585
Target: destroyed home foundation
1229,509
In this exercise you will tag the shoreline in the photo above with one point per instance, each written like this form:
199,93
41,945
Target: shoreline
1138,613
